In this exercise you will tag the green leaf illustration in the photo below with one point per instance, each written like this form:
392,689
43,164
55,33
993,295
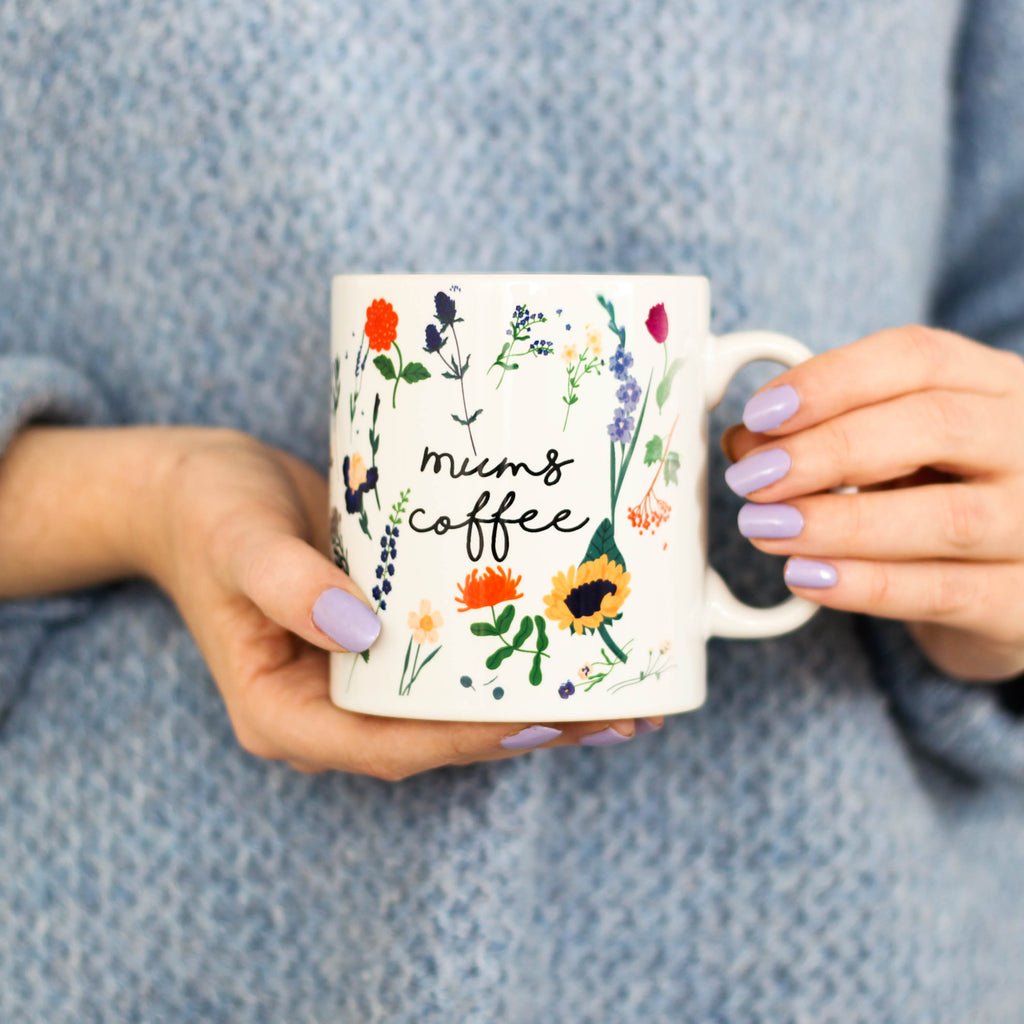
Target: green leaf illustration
653,451
414,372
665,386
603,543
495,660
672,468
386,367
542,636
506,618
523,633
536,676
426,661
482,629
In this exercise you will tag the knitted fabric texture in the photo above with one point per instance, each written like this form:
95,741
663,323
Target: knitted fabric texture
836,836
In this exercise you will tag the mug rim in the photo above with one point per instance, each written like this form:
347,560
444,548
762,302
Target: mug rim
530,274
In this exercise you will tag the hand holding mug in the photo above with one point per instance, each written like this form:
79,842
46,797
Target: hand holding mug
930,427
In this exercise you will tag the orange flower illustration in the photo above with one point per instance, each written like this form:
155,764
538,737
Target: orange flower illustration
381,325
495,587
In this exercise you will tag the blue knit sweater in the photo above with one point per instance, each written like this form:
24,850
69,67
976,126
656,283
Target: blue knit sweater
837,836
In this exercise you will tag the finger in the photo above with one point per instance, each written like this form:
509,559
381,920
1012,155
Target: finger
981,598
737,441
303,591
287,714
897,361
973,521
957,433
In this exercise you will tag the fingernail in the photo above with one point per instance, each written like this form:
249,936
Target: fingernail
346,620
531,736
758,470
645,726
605,738
802,572
771,408
769,522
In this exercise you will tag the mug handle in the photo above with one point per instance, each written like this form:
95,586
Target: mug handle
725,615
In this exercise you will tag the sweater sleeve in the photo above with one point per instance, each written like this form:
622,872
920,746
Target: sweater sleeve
38,389
979,292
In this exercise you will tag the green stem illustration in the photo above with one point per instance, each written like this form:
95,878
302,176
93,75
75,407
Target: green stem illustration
404,686
612,645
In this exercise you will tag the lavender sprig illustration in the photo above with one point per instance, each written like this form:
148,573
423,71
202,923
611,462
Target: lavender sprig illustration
360,366
455,367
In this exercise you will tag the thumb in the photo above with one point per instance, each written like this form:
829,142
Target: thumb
306,593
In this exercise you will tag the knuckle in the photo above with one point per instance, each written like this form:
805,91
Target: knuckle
1014,365
252,741
383,766
925,347
851,523
879,585
947,595
838,443
948,418
963,518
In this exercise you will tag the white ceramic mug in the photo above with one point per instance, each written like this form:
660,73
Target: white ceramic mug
518,483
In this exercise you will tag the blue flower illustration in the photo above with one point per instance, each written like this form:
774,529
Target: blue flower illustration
388,553
566,690
434,342
620,362
445,307
629,394
621,427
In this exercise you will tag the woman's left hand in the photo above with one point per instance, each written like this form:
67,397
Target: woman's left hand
930,427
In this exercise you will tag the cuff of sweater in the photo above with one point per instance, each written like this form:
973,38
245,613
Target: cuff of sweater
36,389
971,727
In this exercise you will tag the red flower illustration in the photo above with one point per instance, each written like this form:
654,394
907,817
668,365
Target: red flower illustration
495,587
381,325
657,323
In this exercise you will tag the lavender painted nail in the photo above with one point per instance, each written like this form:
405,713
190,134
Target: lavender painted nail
770,522
758,470
605,738
531,736
803,572
345,619
771,408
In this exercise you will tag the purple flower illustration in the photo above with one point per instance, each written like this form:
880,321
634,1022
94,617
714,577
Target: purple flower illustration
621,427
434,341
444,306
620,362
629,394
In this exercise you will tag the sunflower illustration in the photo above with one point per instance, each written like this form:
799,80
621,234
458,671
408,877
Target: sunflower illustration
588,596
